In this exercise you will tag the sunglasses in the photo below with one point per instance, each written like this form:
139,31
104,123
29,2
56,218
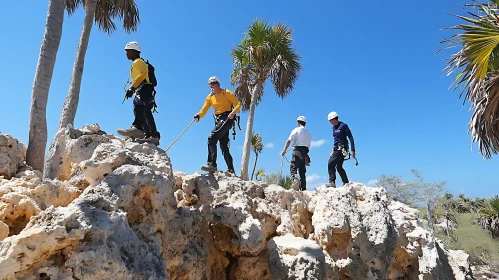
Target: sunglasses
212,83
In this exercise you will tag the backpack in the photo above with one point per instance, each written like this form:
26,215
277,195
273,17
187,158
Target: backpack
152,76
153,81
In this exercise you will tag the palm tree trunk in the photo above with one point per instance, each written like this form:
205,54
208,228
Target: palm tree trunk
41,85
254,166
249,129
71,103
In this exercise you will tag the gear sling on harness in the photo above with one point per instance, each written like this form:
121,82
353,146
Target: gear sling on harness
346,152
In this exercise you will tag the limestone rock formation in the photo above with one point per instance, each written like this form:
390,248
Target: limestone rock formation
110,209
12,155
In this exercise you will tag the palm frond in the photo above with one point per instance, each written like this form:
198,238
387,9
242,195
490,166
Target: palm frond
108,10
256,143
243,76
127,11
484,122
477,62
285,67
103,16
72,5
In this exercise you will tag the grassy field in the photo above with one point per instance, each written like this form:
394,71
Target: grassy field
474,240
422,212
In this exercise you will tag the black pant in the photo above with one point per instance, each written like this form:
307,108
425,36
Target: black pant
220,133
298,163
142,110
336,163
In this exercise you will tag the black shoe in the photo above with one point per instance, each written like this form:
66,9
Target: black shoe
209,167
295,183
331,185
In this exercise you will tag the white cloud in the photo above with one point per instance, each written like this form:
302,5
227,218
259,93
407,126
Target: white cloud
269,145
318,143
372,182
314,177
315,181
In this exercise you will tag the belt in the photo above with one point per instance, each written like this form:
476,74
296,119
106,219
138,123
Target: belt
223,113
301,148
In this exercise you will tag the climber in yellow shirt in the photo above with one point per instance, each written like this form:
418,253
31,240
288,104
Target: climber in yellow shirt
226,106
143,127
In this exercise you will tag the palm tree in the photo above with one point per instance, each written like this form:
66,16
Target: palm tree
260,173
478,58
41,85
102,12
265,52
257,146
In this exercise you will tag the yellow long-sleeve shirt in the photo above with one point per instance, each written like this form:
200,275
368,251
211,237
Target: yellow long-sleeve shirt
221,103
139,72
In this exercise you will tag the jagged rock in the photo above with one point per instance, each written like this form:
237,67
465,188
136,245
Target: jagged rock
70,147
459,262
290,207
295,258
111,209
116,229
12,155
26,195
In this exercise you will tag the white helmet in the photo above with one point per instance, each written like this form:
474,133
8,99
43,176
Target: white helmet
133,46
213,79
301,118
332,115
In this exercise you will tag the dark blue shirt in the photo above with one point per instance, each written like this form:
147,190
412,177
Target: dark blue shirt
340,134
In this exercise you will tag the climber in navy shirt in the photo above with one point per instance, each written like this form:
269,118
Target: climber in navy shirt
341,132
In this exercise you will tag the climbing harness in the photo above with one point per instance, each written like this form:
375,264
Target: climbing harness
179,135
217,120
237,118
136,93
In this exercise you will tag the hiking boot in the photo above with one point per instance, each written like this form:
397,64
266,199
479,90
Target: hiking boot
209,167
231,172
295,183
132,132
150,139
331,185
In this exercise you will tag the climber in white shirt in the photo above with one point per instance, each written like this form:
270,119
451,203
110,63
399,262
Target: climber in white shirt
301,138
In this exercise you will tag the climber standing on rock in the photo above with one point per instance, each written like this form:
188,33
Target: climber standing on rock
225,106
341,132
143,127
301,138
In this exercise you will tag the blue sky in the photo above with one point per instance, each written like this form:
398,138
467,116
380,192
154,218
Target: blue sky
375,64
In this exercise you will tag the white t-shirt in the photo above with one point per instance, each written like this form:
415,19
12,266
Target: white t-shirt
300,136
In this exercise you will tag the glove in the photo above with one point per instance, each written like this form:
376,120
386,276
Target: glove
130,92
196,117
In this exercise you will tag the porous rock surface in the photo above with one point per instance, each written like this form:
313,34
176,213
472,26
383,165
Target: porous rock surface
110,209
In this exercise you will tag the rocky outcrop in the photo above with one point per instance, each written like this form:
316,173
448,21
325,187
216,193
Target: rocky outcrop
12,156
112,209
